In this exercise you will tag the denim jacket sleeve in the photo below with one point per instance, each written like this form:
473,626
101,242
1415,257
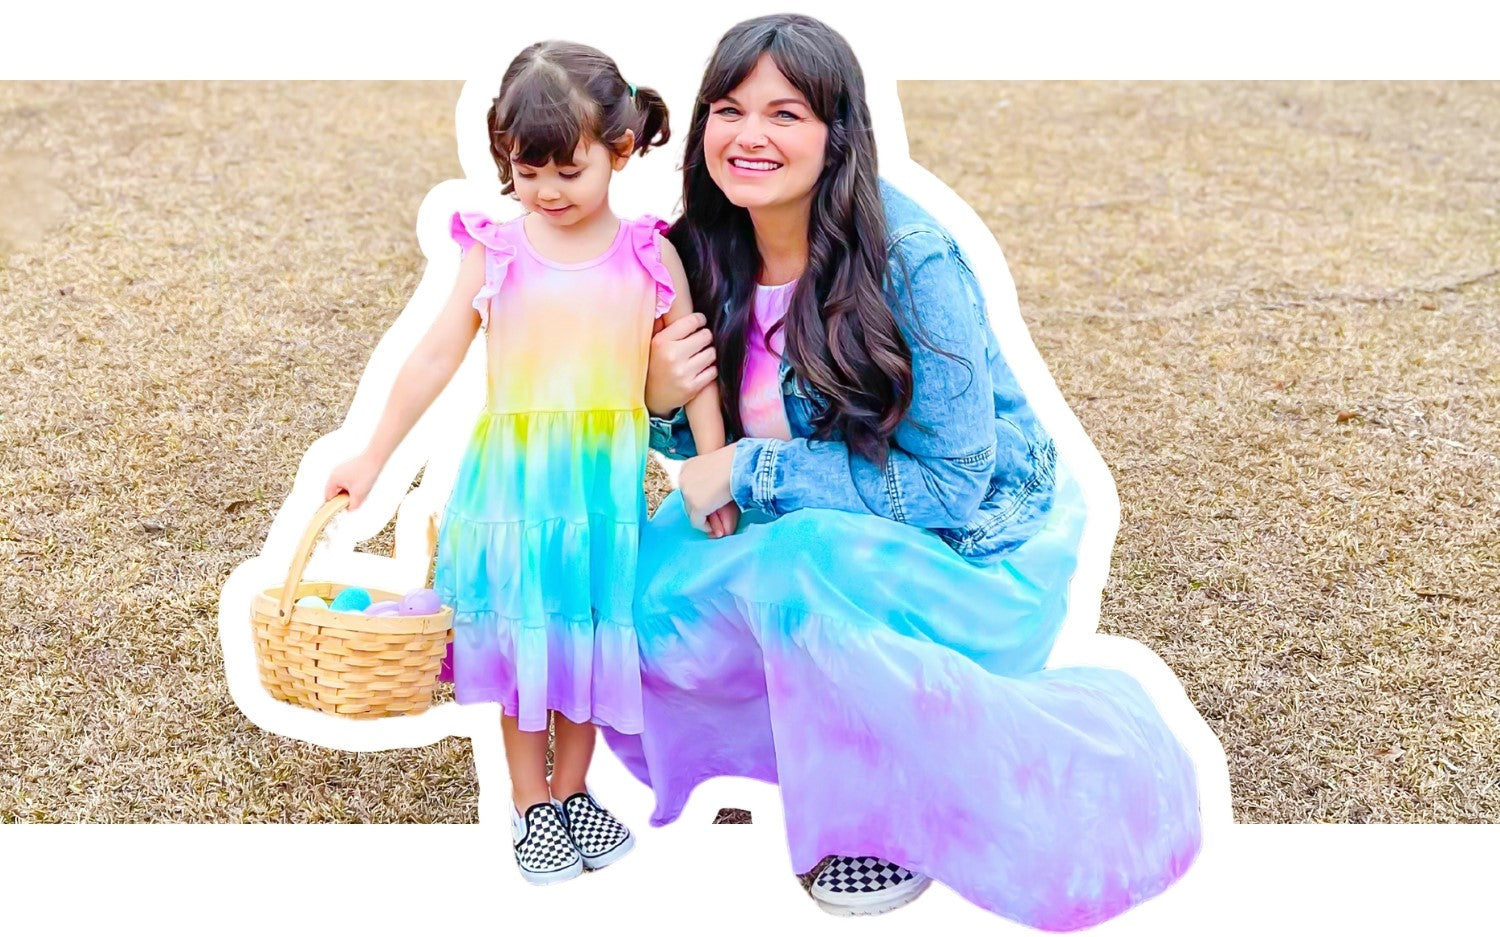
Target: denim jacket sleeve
943,452
672,436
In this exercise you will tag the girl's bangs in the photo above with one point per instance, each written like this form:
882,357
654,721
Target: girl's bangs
537,128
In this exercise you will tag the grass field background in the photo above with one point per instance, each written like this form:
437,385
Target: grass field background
1274,307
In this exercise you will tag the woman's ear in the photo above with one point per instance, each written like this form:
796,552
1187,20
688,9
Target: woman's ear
623,149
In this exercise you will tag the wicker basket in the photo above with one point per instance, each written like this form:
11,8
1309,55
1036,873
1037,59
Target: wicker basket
343,662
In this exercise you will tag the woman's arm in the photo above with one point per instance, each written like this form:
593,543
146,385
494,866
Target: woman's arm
934,478
672,436
681,366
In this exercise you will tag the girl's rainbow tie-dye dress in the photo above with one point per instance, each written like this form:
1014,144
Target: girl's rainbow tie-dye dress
538,547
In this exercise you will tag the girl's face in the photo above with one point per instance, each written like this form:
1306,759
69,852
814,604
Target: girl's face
763,145
566,195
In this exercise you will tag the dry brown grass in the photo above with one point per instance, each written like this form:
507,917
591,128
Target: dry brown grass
1275,308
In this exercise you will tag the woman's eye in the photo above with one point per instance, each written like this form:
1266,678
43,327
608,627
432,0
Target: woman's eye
727,111
788,115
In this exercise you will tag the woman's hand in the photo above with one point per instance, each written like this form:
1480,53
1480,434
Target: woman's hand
682,364
724,521
704,482
357,476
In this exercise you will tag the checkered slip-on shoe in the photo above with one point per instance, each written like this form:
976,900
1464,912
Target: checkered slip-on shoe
599,838
865,885
544,850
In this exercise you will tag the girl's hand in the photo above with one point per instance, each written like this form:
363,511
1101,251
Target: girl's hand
682,364
357,476
704,482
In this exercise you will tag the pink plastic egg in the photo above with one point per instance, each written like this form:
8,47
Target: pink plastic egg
421,602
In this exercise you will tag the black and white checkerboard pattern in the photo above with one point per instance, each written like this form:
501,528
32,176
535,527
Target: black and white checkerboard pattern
595,830
860,874
546,846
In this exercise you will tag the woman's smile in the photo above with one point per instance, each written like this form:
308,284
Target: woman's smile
753,166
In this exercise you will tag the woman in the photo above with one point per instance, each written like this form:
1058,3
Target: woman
873,635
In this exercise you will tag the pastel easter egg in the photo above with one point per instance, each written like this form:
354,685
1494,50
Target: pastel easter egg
384,608
421,602
352,599
312,601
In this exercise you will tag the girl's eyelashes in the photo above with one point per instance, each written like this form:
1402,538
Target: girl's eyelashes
566,175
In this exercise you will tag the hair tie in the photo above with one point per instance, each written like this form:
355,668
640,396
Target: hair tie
632,89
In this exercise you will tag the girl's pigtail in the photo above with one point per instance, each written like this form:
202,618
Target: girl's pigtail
655,130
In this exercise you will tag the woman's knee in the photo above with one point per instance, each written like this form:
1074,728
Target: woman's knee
815,535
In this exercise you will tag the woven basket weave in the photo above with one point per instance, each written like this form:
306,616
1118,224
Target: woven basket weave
346,663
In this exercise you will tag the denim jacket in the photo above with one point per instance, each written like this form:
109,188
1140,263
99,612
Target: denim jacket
980,476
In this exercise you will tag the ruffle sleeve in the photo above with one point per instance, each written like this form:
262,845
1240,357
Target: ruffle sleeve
469,228
648,252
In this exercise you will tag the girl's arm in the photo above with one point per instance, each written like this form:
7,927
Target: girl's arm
435,359
427,371
704,415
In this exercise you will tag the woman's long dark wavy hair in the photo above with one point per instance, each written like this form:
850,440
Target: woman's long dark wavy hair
841,337
558,94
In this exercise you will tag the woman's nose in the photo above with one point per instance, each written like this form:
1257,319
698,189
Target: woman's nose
751,135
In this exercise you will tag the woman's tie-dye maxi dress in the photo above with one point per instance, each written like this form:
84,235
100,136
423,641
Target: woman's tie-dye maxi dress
539,542
897,695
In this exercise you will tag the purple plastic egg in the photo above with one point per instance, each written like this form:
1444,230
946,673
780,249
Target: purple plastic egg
421,602
384,608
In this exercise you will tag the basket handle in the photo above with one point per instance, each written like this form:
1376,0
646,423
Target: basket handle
303,552
310,536
432,544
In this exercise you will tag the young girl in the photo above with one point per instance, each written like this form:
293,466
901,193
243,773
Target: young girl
538,545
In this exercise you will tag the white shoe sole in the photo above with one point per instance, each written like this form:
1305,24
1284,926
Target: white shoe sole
552,878
853,904
611,857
